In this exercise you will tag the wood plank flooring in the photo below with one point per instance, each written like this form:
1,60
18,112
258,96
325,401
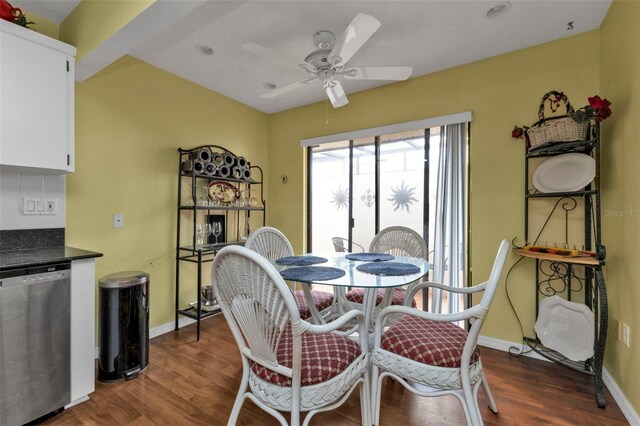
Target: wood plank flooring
189,382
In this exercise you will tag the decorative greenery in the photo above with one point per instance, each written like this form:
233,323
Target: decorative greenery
13,14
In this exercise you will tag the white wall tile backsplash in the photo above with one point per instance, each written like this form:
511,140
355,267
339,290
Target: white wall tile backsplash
14,186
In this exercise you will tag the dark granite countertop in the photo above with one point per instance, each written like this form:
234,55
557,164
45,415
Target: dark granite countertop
10,259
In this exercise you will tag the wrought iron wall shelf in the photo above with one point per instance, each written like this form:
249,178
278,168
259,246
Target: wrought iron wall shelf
201,252
226,179
253,209
571,276
575,260
581,366
193,313
556,148
561,194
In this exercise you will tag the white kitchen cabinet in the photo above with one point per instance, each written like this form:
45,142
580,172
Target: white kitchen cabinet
36,101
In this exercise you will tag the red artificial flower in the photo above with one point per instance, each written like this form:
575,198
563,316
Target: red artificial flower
13,14
601,107
596,102
517,132
6,11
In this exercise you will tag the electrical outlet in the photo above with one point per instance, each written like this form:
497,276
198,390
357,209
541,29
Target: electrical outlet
625,334
617,330
51,207
118,221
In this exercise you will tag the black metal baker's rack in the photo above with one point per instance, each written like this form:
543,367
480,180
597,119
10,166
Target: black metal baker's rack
189,179
566,276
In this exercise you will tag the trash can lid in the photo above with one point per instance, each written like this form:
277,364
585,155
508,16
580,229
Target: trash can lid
123,279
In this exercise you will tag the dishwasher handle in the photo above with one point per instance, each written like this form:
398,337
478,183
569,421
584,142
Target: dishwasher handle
35,275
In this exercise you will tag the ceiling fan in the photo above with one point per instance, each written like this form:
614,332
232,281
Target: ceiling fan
328,62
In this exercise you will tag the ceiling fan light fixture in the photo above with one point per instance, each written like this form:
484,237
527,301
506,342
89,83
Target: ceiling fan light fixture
204,49
498,9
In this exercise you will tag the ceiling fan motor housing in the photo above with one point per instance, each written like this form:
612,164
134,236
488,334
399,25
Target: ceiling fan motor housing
318,58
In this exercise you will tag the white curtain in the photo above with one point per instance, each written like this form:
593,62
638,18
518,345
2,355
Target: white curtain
449,251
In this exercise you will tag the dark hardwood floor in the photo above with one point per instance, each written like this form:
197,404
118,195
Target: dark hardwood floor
189,382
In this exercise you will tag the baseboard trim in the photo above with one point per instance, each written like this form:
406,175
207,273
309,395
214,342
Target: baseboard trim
169,327
505,345
627,409
161,329
625,406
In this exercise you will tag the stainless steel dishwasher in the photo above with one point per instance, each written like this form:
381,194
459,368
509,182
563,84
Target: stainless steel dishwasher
35,343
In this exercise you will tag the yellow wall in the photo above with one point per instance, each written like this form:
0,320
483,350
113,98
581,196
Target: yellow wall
92,22
501,92
620,83
130,120
42,26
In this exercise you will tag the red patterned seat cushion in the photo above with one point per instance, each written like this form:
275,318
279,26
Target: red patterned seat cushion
357,296
324,356
429,342
321,299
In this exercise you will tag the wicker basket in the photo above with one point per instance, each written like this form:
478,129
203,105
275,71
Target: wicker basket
555,129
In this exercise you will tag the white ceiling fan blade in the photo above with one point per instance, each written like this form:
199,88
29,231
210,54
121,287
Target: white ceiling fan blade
272,55
357,33
336,94
287,88
377,73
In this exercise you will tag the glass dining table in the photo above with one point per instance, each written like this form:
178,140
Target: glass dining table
354,278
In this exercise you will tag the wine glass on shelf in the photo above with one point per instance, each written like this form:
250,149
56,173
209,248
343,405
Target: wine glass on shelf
208,230
200,233
217,230
204,200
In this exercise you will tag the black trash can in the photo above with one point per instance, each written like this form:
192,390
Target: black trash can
124,325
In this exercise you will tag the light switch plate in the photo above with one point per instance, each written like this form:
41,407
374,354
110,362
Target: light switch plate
625,334
29,206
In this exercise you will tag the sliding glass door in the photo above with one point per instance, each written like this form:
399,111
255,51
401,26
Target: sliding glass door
360,186
403,172
411,178
329,178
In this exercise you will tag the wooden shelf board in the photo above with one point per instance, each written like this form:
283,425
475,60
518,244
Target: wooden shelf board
578,260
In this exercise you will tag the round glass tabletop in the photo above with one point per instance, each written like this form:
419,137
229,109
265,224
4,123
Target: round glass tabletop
355,278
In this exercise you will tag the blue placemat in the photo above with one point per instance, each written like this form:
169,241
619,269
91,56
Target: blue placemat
369,257
301,260
312,273
388,268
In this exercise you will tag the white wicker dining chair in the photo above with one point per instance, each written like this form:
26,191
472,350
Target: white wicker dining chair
273,245
397,241
288,363
341,245
431,350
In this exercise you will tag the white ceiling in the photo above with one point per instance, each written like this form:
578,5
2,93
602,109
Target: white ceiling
426,34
